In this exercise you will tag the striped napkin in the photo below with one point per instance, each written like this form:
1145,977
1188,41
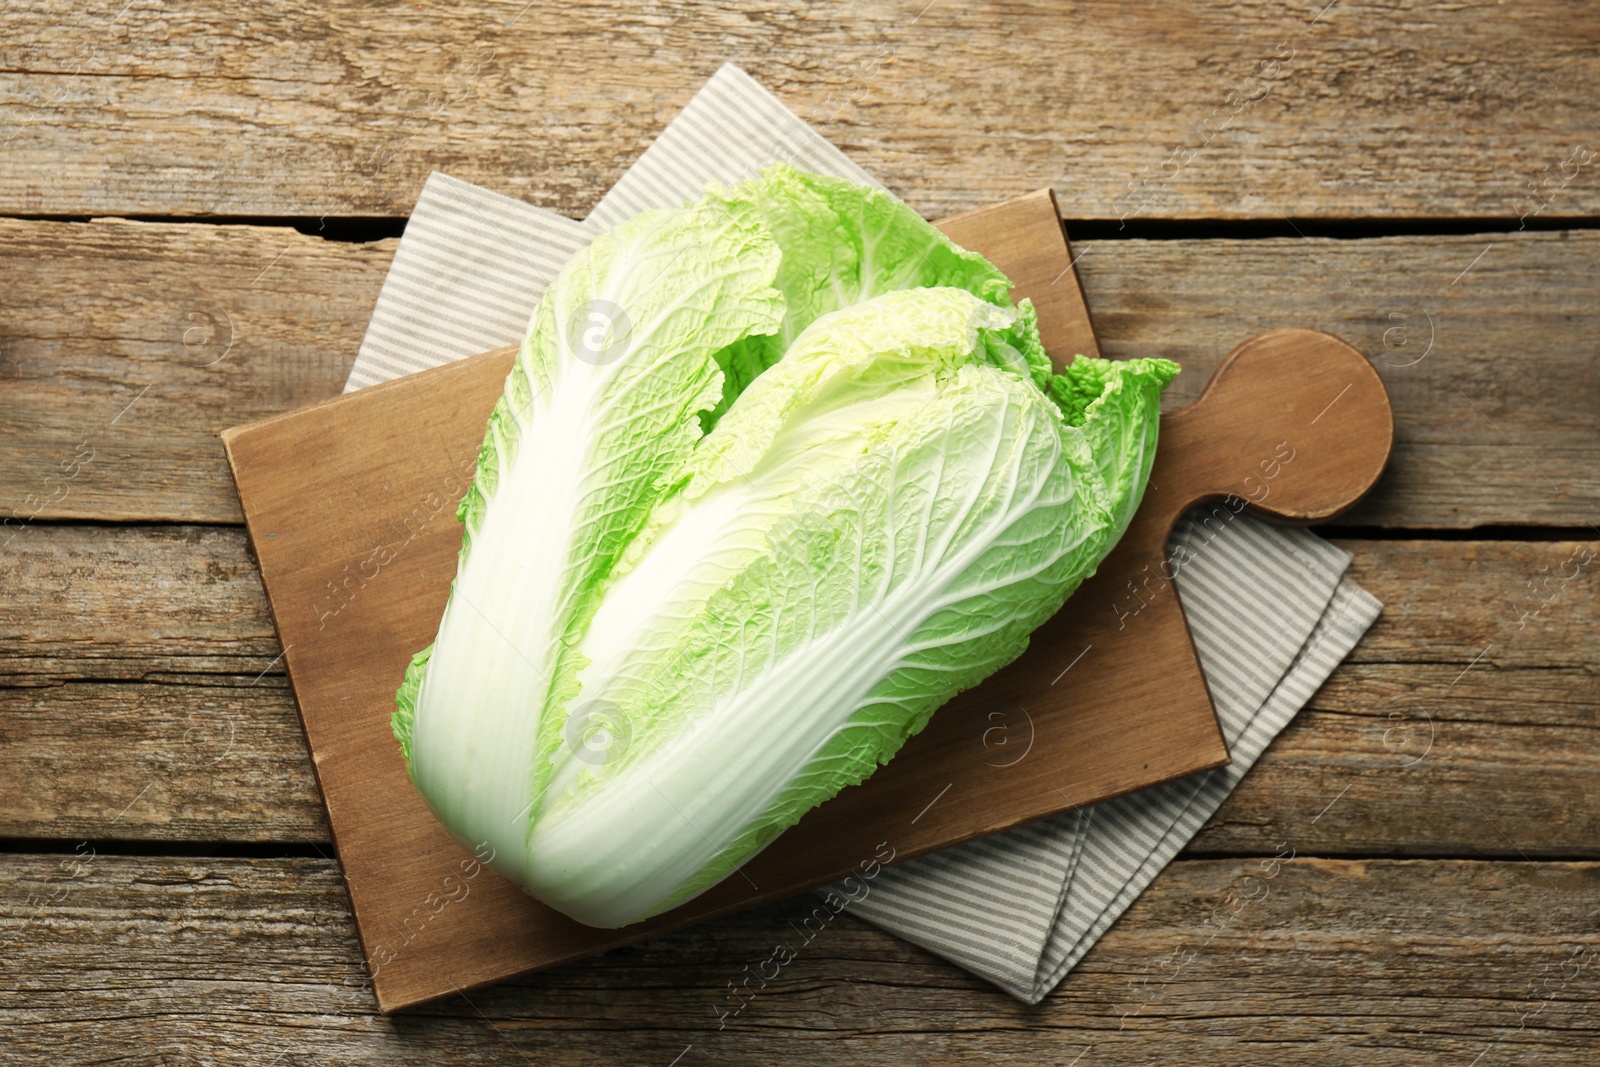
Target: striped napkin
1271,609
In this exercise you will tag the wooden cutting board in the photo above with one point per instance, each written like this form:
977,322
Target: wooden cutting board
350,505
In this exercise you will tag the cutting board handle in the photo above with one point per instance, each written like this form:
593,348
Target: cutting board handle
1295,426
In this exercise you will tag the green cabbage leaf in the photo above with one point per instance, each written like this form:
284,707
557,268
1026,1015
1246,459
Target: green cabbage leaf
775,475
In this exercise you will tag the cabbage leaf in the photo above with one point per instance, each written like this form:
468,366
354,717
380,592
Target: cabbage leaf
775,475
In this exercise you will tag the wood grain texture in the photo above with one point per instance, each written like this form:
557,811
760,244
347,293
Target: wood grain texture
359,567
168,760
1400,754
1495,392
1405,760
135,345
1451,695
131,603
92,313
1220,110
223,961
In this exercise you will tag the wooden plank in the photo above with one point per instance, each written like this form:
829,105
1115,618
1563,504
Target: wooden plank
359,571
1481,667
126,348
1344,962
1486,426
93,313
87,602
1220,110
171,760
79,754
1405,760
1396,754
131,603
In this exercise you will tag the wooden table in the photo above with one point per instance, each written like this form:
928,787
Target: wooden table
199,206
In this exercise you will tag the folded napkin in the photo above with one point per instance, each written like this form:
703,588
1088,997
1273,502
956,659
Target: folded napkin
1270,609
